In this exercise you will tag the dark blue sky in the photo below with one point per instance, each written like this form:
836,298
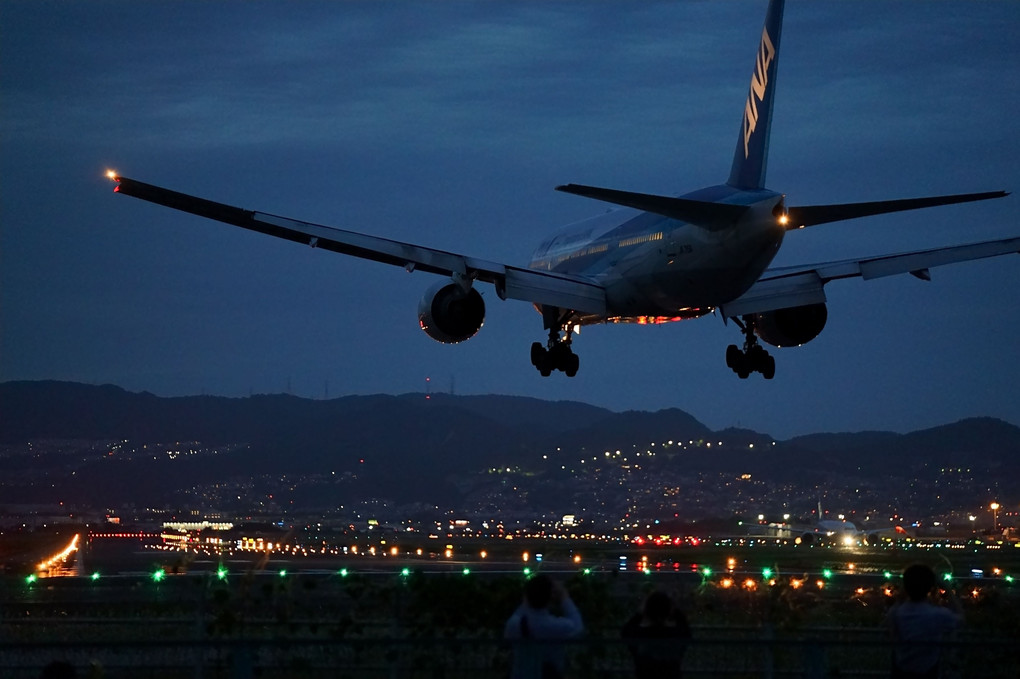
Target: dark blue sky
448,125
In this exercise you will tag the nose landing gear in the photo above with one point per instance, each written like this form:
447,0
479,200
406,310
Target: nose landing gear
753,357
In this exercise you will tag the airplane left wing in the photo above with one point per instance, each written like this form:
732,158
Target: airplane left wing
511,282
786,287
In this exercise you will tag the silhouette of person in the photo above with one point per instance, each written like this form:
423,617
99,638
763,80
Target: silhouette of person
657,638
535,620
917,624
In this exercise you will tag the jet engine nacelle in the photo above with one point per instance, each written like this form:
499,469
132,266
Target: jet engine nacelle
449,315
791,327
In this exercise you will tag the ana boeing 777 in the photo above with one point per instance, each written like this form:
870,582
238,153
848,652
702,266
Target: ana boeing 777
651,259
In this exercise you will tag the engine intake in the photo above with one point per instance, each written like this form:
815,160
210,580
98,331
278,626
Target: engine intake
449,315
791,327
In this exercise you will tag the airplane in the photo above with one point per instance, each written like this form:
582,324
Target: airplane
838,531
651,259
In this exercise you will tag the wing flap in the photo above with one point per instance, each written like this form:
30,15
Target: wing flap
798,285
555,290
786,287
777,293
917,262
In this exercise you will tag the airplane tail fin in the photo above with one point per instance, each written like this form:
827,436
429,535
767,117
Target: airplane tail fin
751,155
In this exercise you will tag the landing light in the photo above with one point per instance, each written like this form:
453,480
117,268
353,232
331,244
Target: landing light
113,175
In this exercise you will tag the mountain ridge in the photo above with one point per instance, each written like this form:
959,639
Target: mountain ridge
413,448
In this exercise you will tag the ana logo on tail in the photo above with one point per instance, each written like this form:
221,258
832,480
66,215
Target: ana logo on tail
759,81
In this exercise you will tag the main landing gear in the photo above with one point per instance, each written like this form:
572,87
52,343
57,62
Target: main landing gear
556,355
753,358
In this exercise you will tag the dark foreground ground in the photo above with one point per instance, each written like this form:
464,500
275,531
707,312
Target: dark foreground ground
756,610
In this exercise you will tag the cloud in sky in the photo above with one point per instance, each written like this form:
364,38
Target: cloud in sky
448,124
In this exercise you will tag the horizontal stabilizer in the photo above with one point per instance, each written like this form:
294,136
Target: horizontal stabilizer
822,214
697,212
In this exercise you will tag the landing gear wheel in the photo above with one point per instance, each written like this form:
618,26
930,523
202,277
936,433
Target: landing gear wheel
571,364
556,354
753,357
541,359
733,356
557,357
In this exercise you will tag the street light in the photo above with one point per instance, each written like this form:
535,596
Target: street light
995,514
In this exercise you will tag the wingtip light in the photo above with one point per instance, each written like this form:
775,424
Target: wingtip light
111,174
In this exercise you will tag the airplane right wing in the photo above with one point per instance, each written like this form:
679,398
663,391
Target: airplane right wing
538,287
792,286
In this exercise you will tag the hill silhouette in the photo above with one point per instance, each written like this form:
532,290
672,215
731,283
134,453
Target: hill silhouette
413,448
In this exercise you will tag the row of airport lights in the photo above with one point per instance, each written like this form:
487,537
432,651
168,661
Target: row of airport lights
769,575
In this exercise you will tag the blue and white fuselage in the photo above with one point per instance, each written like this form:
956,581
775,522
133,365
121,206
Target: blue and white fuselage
656,268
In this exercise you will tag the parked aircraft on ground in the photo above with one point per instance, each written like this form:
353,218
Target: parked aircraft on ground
653,259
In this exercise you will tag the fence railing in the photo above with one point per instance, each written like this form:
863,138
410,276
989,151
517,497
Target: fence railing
714,653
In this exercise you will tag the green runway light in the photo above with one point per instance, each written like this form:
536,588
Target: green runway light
827,573
707,572
31,578
405,572
887,575
159,575
947,577
222,573
587,571
527,571
95,576
343,572
283,573
766,573
1009,578
466,571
